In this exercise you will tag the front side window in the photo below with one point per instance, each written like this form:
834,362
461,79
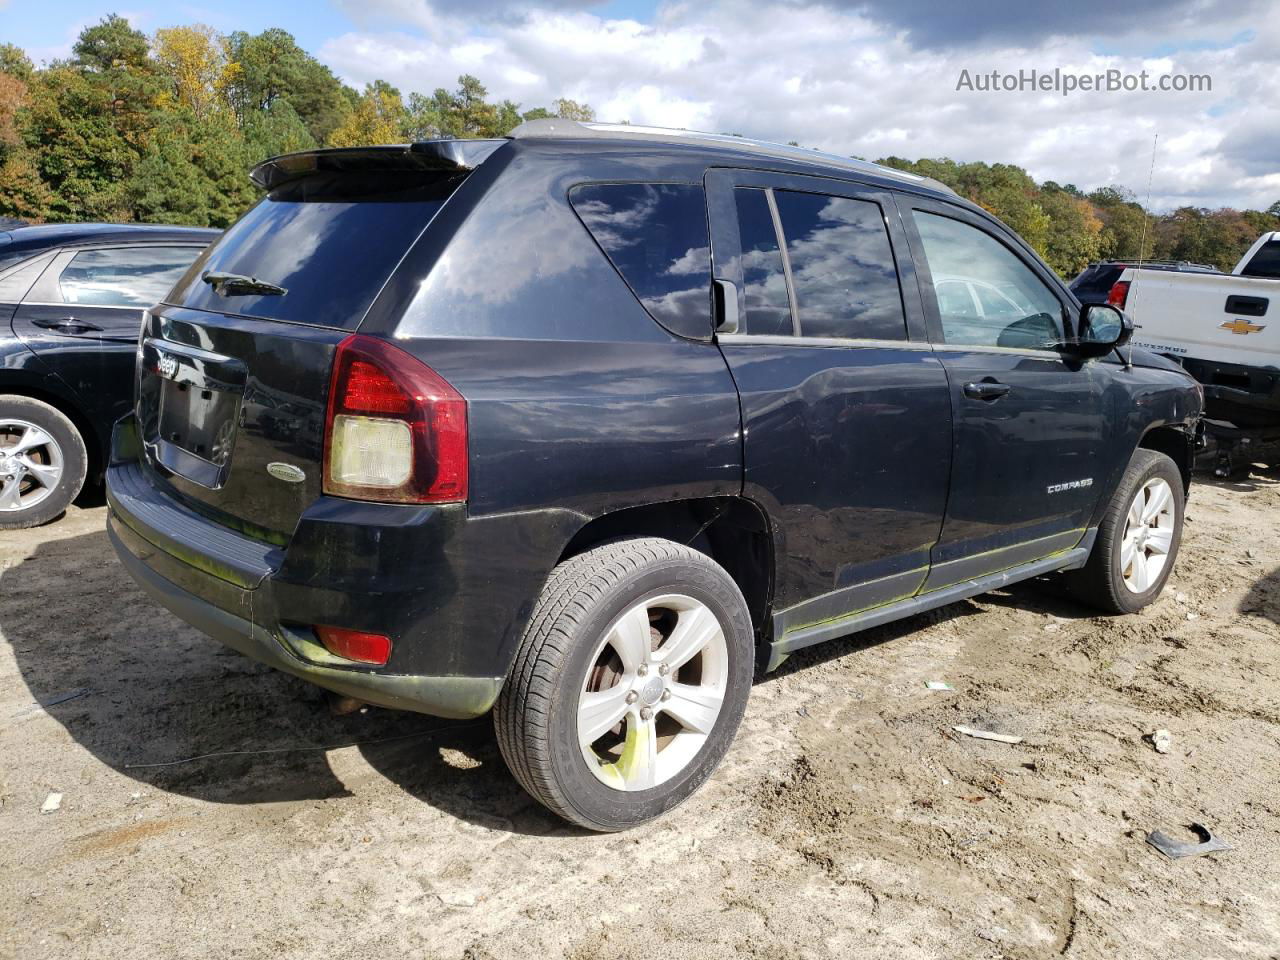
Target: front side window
656,236
842,267
123,276
986,296
766,308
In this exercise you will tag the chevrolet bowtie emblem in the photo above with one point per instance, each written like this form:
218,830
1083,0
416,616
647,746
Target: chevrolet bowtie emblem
1243,326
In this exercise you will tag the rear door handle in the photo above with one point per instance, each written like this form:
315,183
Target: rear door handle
986,390
726,303
68,325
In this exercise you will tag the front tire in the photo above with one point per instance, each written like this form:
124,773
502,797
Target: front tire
42,462
1138,538
629,684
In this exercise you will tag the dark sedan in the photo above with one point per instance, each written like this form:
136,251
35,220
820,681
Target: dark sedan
72,298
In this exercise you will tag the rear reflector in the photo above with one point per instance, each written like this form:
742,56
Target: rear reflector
1119,294
396,431
356,645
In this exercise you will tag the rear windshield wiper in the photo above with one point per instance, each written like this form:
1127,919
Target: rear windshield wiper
236,285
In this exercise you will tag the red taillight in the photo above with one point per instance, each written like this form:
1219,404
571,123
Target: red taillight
396,430
369,390
1119,294
356,645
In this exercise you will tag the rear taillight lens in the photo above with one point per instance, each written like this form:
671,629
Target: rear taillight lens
1119,294
396,431
356,645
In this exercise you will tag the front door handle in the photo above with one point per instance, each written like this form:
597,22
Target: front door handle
68,325
986,390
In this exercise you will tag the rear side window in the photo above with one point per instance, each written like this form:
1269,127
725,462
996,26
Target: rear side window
330,240
123,276
1265,263
842,267
656,235
767,309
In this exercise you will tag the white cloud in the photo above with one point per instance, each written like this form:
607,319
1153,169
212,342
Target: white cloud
835,80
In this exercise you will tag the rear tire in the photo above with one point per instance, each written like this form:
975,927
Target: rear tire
1137,541
629,684
42,462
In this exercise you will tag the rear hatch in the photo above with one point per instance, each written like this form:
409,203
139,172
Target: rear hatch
234,367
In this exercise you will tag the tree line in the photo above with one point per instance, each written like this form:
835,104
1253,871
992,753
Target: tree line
1071,228
163,128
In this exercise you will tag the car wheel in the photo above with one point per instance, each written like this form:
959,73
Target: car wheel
629,683
1137,539
42,462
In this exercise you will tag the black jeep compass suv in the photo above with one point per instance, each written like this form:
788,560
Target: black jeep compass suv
580,424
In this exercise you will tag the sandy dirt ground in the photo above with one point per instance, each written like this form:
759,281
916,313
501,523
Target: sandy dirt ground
847,821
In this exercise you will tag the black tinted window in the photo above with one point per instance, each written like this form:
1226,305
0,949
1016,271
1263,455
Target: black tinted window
1097,279
767,309
656,235
842,267
330,240
1265,263
123,276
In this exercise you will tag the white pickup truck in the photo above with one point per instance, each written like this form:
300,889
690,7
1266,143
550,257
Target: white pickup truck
1223,328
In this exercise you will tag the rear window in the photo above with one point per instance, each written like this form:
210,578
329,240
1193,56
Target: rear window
1265,263
330,240
1096,279
656,235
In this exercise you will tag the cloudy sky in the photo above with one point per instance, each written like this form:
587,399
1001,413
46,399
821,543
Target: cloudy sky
862,77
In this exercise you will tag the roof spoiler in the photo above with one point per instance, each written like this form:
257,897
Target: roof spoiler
426,156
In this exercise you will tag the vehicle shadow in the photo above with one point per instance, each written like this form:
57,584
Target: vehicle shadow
1263,597
1043,595
1257,477
145,694
866,639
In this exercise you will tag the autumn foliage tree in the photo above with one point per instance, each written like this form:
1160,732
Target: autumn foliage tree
164,128
1070,228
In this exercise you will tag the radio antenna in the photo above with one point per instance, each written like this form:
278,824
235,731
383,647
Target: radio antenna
1142,243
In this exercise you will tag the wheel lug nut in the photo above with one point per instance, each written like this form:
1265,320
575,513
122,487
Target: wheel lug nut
666,694
642,669
663,669
631,696
646,713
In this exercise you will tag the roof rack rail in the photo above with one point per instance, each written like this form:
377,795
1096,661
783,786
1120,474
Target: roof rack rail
1184,263
556,128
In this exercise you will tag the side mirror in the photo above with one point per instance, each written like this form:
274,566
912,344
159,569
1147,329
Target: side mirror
1102,328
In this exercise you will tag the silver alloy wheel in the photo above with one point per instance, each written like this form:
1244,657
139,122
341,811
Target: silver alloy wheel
30,465
654,691
1148,535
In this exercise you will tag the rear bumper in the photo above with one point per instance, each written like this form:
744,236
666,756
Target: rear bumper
1230,388
257,599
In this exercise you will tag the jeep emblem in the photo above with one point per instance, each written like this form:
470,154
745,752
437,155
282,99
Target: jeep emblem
167,366
286,472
